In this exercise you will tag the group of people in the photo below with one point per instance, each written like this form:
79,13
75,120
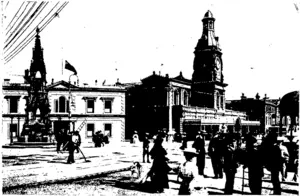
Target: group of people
68,141
100,139
227,155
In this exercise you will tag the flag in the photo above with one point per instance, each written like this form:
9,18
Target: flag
68,66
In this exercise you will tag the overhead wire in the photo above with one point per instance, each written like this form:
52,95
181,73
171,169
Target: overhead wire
13,33
16,51
18,17
23,29
14,16
32,31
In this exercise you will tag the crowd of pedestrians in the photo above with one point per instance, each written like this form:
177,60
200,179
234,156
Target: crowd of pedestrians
227,154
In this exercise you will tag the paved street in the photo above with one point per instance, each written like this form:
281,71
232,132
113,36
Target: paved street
43,171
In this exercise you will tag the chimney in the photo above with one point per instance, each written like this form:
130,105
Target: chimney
153,72
167,75
52,81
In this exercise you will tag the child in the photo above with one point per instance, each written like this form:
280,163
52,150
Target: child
188,172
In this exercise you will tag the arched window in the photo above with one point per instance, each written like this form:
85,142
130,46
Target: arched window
176,97
61,105
218,100
185,98
222,101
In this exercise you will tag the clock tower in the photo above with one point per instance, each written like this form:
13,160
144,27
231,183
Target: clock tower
208,87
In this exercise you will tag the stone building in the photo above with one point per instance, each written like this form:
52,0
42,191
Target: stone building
264,110
185,105
72,107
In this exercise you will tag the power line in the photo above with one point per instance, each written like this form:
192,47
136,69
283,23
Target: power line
14,17
25,24
12,55
18,17
33,31
20,22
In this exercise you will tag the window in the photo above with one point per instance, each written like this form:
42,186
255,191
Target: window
90,105
176,98
107,129
13,105
222,102
186,98
90,130
13,128
61,105
107,106
218,100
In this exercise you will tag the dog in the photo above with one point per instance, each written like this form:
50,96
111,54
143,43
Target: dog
136,170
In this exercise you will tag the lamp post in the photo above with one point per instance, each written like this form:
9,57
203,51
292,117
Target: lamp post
170,107
70,95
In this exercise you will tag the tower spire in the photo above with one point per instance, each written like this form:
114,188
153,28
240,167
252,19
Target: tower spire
37,62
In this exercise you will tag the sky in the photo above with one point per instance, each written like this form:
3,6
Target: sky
106,40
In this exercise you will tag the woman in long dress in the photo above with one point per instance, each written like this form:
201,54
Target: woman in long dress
160,168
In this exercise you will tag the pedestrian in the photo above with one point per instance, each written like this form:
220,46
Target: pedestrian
135,137
215,148
59,140
77,140
184,141
146,143
188,172
199,145
272,160
72,145
230,162
254,164
160,168
284,158
96,139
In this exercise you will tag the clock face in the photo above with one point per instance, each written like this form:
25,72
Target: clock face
218,68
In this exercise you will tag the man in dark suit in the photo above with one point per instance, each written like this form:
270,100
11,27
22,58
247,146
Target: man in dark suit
199,145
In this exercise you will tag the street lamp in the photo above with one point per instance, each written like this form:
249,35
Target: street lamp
69,112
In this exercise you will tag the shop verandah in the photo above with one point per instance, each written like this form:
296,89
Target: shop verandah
195,119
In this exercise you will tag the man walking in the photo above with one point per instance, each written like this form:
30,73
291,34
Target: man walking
199,145
230,162
215,153
72,145
254,164
59,140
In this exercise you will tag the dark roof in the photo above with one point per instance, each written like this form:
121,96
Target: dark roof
208,14
289,104
180,79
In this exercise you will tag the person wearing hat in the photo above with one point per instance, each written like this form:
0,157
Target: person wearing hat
188,173
146,143
255,165
215,148
230,163
135,137
160,168
272,160
199,145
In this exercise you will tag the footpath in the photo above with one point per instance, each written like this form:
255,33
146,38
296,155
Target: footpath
23,167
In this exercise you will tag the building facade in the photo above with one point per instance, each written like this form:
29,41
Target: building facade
98,108
184,105
264,110
34,111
